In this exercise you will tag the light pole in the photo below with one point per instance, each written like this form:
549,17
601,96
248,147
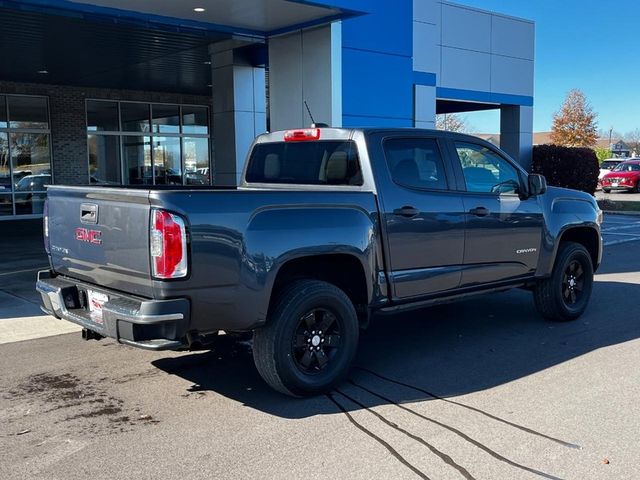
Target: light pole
610,147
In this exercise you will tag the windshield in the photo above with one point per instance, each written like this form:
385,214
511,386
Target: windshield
32,183
327,162
608,165
627,167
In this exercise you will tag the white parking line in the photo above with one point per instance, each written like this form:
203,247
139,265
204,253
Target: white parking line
617,242
22,271
623,227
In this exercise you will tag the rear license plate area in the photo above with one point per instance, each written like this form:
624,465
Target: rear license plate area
95,304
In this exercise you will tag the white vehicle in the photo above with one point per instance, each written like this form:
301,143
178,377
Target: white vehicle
609,164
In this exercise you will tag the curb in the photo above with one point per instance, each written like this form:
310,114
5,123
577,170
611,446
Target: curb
620,212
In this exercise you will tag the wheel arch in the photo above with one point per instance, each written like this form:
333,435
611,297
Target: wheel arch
344,270
588,237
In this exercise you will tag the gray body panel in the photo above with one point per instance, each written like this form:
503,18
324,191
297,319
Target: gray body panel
239,239
121,261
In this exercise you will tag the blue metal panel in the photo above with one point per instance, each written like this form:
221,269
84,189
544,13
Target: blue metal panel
488,97
424,78
352,121
377,66
376,84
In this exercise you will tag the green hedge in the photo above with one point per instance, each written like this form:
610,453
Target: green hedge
568,167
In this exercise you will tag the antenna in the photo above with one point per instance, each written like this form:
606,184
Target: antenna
309,111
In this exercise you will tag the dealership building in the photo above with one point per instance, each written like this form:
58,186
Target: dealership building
135,92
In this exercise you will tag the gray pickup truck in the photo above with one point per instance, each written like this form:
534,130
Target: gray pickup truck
328,227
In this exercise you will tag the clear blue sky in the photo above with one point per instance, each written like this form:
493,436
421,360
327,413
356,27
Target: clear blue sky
586,44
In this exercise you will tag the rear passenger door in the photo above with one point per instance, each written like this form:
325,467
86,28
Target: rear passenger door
503,227
422,218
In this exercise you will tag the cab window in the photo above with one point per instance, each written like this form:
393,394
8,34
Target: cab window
415,163
485,171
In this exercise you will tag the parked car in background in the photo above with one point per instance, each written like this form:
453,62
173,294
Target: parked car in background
625,176
33,183
607,165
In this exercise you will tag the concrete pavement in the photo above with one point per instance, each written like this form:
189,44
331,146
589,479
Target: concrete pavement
483,389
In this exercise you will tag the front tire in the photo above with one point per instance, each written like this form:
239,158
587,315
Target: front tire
309,341
564,296
606,190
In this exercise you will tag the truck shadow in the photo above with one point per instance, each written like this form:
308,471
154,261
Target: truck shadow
431,354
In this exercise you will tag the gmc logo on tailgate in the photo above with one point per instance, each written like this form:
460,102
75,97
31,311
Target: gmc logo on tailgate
90,236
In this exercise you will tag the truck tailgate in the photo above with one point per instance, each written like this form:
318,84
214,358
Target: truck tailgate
101,236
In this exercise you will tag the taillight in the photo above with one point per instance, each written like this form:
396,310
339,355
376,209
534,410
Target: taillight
45,225
168,245
302,135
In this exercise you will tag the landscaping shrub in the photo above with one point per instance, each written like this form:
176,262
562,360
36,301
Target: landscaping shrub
568,167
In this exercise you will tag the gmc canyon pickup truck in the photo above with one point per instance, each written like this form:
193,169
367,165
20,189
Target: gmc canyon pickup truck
328,227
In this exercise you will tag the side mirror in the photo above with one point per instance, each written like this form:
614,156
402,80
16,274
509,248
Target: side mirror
537,184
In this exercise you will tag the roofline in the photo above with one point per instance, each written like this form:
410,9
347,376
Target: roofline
490,12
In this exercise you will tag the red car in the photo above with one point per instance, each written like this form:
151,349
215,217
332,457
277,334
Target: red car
625,176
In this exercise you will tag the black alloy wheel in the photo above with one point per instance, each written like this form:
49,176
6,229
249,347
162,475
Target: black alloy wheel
316,340
565,294
309,341
573,283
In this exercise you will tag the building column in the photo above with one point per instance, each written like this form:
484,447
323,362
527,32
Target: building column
424,108
239,112
306,66
516,133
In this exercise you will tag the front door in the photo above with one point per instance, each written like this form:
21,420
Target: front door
423,219
503,233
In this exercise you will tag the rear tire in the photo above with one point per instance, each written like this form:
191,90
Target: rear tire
564,296
606,190
309,341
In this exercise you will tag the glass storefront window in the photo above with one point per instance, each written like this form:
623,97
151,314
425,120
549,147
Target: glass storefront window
135,117
30,203
5,168
6,204
3,112
102,116
28,112
166,156
166,118
146,144
104,159
196,161
194,119
30,155
25,154
137,160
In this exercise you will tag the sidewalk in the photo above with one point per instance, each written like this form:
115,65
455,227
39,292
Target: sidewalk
21,256
619,202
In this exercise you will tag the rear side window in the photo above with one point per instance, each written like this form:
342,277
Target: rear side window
325,162
415,163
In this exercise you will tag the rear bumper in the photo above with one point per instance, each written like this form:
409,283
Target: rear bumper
142,323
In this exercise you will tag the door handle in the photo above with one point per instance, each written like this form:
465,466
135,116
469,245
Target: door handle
406,211
479,211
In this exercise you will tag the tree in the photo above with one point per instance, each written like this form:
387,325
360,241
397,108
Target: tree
575,125
602,153
632,139
452,122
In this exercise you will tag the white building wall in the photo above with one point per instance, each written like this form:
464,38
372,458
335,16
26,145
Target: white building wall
471,49
306,66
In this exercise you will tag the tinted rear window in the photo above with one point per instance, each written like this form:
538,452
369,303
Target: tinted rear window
325,162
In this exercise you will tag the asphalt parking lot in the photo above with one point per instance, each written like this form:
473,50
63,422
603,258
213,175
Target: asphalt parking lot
483,389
